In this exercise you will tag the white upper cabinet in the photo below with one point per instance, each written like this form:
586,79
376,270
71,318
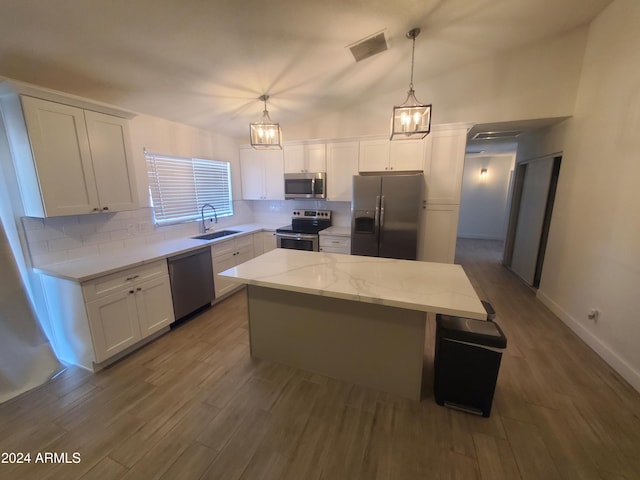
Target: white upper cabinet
406,155
342,165
111,155
69,161
305,158
383,155
444,164
262,174
374,156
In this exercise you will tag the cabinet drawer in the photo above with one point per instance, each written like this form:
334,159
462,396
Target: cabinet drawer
223,248
244,241
335,241
102,286
223,261
342,250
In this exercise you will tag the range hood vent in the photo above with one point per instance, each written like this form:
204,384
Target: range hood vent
507,134
368,47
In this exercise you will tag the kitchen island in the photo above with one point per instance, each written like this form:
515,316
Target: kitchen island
359,319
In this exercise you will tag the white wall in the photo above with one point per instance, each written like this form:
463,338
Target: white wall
484,202
593,253
169,138
539,81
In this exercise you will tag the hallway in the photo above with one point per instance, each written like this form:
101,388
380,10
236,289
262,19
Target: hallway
563,408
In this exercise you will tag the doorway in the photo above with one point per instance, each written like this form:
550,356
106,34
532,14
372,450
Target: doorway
534,193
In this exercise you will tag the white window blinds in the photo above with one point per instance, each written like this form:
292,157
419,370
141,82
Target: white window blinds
181,186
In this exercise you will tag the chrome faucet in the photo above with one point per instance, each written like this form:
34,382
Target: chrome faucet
215,216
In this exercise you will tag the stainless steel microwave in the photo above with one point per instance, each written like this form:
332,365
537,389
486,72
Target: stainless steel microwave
305,185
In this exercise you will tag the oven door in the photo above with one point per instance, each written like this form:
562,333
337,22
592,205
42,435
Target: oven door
298,241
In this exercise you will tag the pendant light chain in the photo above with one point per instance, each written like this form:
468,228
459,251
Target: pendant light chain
413,52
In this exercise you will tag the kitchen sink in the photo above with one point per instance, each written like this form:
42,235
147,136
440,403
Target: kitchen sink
214,235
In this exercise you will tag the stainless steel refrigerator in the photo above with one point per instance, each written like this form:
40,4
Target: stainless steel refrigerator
384,215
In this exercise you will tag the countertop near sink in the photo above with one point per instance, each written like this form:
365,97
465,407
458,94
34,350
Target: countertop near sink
83,269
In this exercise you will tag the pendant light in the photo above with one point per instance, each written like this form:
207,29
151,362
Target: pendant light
411,120
265,134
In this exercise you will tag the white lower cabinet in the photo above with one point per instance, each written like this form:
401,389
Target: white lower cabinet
114,324
95,320
269,241
438,232
140,306
228,254
335,244
264,242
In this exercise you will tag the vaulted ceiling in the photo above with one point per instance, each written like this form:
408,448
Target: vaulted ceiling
205,63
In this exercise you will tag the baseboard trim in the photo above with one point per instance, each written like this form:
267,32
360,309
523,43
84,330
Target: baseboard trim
625,370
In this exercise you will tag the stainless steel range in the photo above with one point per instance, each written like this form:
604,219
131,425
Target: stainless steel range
302,234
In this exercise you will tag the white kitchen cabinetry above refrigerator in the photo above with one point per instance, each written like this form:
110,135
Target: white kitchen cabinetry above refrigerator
385,156
262,174
305,158
69,160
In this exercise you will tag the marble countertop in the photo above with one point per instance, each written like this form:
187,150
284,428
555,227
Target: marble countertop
83,269
414,285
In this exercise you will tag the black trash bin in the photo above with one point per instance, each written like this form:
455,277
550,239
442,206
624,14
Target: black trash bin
466,363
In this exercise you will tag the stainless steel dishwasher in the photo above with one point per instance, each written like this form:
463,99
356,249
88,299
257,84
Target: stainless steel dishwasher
191,277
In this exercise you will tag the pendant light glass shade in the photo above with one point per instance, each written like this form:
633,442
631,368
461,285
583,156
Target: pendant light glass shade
412,119
265,134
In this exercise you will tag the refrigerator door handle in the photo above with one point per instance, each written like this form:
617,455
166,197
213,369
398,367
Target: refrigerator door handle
376,218
381,216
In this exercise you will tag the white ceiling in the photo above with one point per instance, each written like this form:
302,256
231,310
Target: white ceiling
205,63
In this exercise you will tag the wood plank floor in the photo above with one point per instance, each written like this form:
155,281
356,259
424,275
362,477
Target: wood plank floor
193,404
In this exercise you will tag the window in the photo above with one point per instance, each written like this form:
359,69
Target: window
181,186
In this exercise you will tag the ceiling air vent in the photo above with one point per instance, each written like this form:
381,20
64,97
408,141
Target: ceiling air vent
368,47
497,135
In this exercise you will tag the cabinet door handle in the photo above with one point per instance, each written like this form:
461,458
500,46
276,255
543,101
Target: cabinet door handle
139,289
131,291
132,278
96,209
105,208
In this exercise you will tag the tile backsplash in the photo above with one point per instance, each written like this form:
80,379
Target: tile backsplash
58,239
